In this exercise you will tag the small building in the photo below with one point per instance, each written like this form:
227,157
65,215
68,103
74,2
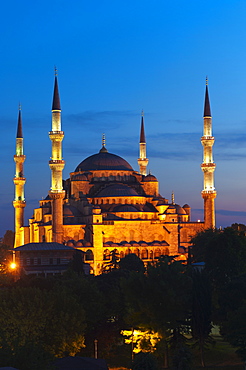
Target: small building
44,259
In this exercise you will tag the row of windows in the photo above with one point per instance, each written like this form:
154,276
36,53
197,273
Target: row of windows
144,254
116,201
41,261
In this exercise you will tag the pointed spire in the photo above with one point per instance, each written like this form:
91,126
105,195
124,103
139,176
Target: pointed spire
142,133
19,127
56,99
207,111
103,150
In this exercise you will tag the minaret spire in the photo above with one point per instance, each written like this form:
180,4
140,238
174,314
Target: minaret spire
19,181
142,160
56,98
208,165
56,165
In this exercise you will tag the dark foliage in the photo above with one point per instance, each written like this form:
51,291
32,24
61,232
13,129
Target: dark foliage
144,361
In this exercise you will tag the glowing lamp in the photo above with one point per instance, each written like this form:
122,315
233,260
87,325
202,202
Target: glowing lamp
13,265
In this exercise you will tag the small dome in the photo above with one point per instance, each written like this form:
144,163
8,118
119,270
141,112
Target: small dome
104,161
71,243
150,178
179,210
186,206
79,177
79,243
116,190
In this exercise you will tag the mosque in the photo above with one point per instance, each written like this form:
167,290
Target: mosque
106,205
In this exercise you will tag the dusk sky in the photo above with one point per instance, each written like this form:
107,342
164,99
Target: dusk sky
115,58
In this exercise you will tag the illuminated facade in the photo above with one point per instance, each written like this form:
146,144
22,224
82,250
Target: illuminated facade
106,205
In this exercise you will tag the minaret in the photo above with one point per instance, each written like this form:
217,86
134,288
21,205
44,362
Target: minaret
19,181
208,166
56,165
142,160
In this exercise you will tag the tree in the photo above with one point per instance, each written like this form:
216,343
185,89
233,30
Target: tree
160,300
131,262
201,311
234,329
239,227
26,357
113,262
6,257
77,263
144,361
224,254
9,239
52,319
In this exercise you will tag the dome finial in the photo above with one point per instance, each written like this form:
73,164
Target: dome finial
206,80
55,71
103,150
19,105
103,140
173,197
142,113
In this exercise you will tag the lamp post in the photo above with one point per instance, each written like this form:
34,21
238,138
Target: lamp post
95,346
13,266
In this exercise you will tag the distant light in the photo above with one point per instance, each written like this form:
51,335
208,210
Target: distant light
198,220
13,265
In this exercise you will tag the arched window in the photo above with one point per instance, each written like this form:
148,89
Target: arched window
128,251
89,255
144,254
166,252
122,254
136,251
157,253
106,255
151,255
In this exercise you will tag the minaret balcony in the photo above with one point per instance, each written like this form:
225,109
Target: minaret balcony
209,193
56,161
19,180
208,165
207,140
19,158
56,164
19,203
56,135
56,132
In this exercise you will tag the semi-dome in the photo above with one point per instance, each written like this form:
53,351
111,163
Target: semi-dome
125,208
115,190
70,211
104,161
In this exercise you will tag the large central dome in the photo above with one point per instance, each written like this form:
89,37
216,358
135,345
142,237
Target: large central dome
104,161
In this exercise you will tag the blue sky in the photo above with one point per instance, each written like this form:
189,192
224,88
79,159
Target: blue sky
115,58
